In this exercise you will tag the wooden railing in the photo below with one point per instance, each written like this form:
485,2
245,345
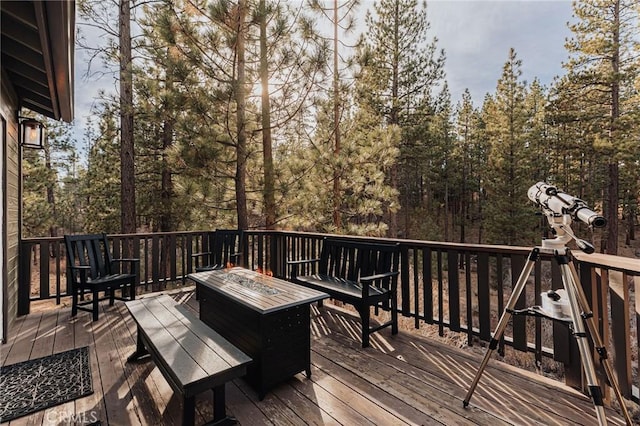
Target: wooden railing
461,288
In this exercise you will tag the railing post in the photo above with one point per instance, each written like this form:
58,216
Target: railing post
404,280
620,330
24,279
454,290
519,323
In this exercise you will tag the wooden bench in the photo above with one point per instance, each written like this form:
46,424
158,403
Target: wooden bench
91,269
191,356
362,274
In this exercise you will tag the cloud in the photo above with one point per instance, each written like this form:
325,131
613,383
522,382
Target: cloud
477,36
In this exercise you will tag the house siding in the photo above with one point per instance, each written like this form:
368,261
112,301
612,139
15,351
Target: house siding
10,205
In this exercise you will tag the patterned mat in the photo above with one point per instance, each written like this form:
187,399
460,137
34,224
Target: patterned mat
34,385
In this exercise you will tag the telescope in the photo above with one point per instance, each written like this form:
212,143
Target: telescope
558,203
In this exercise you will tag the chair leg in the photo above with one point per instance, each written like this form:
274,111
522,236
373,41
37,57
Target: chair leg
74,301
112,296
394,314
364,317
95,305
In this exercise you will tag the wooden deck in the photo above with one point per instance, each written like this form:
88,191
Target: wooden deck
399,380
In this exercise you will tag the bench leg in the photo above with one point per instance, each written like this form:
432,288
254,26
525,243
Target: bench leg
141,350
189,411
219,411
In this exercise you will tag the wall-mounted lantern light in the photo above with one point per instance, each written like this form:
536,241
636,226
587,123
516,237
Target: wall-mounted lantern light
32,133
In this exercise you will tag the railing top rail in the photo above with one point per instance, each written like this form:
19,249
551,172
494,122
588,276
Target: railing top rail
136,235
627,265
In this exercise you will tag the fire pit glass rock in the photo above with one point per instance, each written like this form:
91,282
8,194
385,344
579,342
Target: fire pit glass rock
251,285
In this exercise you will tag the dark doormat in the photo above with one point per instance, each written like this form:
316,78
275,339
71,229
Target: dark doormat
30,386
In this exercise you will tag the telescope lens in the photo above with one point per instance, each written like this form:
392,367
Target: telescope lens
590,217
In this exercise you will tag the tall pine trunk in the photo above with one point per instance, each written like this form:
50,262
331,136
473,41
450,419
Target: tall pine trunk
127,170
166,190
240,95
269,180
614,176
337,220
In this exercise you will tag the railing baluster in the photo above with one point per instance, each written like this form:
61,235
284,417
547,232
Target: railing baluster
484,297
454,290
440,294
43,252
469,296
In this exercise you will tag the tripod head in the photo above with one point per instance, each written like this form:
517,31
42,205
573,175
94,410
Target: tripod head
560,209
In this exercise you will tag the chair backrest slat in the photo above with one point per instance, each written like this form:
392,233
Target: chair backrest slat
223,245
89,250
351,259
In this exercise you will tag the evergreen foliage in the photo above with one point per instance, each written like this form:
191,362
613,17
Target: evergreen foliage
382,149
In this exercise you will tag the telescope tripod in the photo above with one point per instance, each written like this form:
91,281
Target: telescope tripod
580,314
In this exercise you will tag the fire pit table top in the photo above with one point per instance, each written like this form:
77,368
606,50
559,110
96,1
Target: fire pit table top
255,290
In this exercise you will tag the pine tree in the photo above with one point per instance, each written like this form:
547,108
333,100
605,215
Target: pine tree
43,170
507,119
468,161
127,145
341,18
404,69
601,68
37,214
102,188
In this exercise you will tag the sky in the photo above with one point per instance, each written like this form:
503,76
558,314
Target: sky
475,34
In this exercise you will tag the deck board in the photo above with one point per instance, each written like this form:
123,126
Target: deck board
400,380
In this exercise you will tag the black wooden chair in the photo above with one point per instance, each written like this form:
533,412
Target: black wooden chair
91,269
224,250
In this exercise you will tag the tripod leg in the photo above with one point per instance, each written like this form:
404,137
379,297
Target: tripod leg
587,314
581,338
502,324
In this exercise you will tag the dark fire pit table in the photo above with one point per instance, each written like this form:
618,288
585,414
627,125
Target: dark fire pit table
265,317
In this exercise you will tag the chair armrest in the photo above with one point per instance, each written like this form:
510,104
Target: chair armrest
379,276
294,265
134,264
204,253
82,272
300,262
80,267
367,281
